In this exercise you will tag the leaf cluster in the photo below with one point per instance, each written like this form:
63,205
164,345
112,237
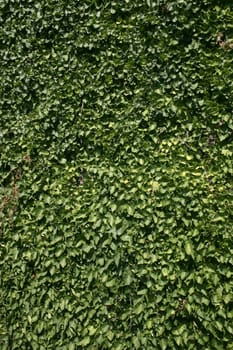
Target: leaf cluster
116,189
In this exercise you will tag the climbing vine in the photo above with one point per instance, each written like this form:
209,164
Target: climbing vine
116,187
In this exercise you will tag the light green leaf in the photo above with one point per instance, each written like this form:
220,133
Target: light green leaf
188,248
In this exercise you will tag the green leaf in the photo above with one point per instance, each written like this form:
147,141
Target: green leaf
163,344
136,342
139,309
110,283
71,346
63,262
85,341
188,248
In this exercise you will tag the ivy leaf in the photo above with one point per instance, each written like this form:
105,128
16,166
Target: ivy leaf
189,248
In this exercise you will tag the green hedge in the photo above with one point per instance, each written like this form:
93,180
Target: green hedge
116,149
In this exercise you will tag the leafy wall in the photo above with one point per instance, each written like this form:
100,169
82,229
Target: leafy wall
116,175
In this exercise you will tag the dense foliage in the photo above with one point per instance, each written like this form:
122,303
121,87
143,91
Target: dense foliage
116,175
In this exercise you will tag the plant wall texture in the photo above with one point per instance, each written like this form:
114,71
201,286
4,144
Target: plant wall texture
116,209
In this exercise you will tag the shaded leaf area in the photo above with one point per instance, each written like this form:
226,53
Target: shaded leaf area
116,175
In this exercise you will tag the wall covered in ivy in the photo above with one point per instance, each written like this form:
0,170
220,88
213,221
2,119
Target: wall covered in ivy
116,212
